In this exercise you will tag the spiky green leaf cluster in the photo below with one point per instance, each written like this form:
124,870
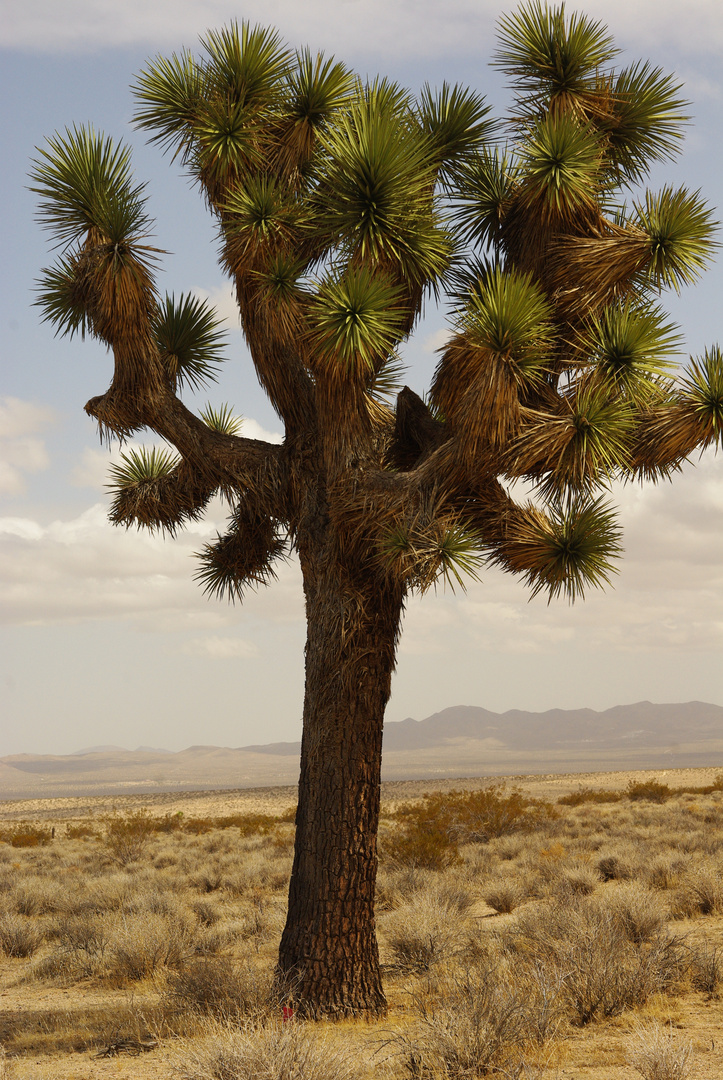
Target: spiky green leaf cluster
355,319
189,340
142,466
508,315
85,184
563,551
550,56
421,554
374,192
221,419
631,345
560,163
702,390
680,227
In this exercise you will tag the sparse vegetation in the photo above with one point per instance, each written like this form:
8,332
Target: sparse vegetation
541,927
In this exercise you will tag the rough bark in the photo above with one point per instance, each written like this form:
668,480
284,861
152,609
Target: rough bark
329,959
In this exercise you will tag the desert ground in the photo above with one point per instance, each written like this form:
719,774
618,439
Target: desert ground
548,926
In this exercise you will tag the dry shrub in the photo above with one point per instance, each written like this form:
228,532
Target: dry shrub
423,932
127,837
589,795
207,913
271,1052
433,828
648,791
24,835
86,938
640,914
430,848
142,943
220,987
504,897
658,1055
576,879
81,832
615,868
665,872
473,1024
706,889
706,968
597,946
18,936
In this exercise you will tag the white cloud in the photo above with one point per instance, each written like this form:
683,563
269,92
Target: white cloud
250,429
20,450
436,341
415,28
224,302
221,648
85,568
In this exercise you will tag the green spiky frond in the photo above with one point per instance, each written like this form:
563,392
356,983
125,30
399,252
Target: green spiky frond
702,392
380,170
584,444
560,164
225,144
420,555
645,122
154,489
317,88
680,228
691,418
62,300
563,551
243,557
456,121
355,321
189,340
169,91
258,213
485,187
552,58
509,316
246,64
500,352
631,345
86,186
222,419
387,381
143,466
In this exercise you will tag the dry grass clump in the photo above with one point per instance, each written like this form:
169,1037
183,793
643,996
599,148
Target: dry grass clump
18,935
271,1052
220,986
474,1022
700,894
426,931
610,953
658,1055
504,896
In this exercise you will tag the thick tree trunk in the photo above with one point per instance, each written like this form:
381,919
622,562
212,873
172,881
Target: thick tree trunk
328,956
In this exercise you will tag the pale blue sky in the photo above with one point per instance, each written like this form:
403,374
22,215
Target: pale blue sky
103,637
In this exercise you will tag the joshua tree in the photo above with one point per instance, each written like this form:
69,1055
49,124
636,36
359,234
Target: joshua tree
341,205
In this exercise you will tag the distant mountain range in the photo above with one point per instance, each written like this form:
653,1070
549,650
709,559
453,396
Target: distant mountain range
460,741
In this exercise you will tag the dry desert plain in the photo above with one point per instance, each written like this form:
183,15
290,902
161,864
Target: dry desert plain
521,936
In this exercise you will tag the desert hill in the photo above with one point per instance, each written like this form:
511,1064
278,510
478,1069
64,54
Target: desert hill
462,741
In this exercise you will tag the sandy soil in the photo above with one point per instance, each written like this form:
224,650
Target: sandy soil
274,800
